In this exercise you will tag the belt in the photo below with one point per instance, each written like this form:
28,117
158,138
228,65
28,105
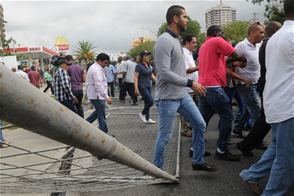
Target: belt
212,86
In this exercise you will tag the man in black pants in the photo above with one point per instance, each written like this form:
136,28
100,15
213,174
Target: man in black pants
261,127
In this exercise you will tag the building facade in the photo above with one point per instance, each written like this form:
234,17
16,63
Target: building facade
220,15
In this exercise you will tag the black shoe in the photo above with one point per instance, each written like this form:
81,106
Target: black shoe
207,153
254,187
261,146
227,156
230,143
248,128
240,134
246,153
111,135
204,167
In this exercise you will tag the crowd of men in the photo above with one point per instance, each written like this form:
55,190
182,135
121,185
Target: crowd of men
259,68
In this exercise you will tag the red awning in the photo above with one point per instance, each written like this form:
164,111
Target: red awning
33,52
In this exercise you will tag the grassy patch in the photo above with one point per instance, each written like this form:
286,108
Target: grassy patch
4,123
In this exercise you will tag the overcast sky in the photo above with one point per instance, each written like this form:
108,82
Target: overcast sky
111,26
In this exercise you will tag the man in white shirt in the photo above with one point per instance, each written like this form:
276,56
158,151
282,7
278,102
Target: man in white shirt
190,43
21,73
278,160
249,48
119,73
97,90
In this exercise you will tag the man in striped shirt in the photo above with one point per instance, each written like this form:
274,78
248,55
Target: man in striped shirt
62,86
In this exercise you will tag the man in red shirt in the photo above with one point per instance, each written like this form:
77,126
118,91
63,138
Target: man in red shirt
34,77
212,75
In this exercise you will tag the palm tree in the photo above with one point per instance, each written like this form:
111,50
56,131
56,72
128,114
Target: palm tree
84,53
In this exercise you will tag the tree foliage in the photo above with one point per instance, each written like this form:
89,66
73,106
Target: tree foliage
84,52
273,10
236,30
148,46
6,43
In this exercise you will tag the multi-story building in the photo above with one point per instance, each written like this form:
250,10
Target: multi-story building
220,15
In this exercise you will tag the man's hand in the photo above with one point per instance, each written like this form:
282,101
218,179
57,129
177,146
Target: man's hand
137,93
109,100
198,88
247,82
75,100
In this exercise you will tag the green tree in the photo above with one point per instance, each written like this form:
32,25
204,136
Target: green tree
273,10
84,53
5,44
236,30
148,46
201,39
192,28
21,57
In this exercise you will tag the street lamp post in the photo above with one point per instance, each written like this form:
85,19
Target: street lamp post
150,31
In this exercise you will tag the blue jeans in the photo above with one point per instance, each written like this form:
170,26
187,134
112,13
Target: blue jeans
277,161
148,100
1,134
69,104
167,109
99,114
232,92
217,100
252,102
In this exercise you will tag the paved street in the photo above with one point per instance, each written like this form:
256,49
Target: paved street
224,182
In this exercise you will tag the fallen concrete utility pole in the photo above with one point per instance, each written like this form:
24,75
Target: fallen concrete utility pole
25,106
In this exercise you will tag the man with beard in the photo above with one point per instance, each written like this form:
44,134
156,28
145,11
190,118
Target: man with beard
171,77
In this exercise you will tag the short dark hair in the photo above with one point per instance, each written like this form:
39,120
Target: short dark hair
213,30
20,67
272,27
289,8
33,68
188,38
102,57
174,10
254,27
68,57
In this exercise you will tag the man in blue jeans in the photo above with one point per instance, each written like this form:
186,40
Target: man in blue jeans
62,86
249,49
278,160
212,69
97,90
170,93
3,144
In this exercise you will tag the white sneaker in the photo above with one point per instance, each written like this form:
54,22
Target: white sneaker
143,117
150,121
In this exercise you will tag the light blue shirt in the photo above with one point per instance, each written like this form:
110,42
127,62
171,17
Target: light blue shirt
109,73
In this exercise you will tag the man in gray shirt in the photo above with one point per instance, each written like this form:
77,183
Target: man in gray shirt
128,69
170,93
